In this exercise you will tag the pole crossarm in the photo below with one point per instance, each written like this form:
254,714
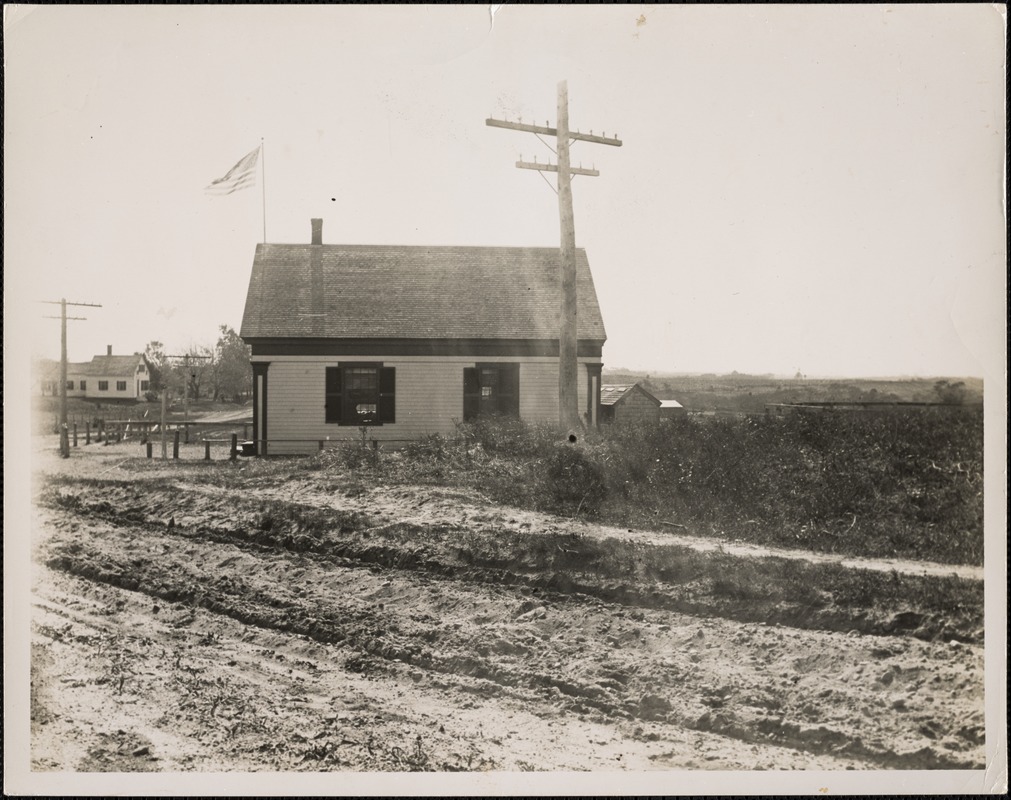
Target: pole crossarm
60,302
554,168
568,362
63,303
577,136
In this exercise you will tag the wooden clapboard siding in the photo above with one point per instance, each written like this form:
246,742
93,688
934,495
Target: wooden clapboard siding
539,390
637,408
112,392
429,398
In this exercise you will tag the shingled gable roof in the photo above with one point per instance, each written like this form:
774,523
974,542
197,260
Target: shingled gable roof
611,394
112,366
389,291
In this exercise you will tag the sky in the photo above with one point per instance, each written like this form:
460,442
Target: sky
800,188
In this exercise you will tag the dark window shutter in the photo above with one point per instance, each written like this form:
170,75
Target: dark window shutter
509,390
333,394
471,394
387,394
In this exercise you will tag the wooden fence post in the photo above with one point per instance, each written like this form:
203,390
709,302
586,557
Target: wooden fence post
149,447
75,434
175,444
207,449
235,447
321,445
87,433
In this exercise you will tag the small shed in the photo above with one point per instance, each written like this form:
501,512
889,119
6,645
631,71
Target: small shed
671,409
628,403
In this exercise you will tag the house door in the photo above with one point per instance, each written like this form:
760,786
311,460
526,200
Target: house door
491,390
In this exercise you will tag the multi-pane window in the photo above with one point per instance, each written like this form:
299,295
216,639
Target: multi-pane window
84,385
145,385
490,390
360,394
362,387
70,384
120,386
103,386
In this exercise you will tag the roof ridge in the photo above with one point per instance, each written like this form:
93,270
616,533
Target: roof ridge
419,246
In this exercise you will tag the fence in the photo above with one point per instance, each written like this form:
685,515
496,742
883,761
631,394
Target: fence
264,447
870,405
210,433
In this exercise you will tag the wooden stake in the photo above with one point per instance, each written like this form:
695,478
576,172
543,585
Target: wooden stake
164,446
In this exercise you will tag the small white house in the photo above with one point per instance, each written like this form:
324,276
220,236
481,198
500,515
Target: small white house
408,340
107,377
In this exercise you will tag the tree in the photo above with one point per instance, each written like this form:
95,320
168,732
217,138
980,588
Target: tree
198,363
158,365
232,368
948,392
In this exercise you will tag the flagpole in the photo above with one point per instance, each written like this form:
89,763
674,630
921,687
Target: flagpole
263,172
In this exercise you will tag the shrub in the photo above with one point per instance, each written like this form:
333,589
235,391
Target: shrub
901,483
430,448
575,482
509,436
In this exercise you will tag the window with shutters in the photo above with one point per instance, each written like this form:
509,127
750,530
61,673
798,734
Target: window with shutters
360,394
491,390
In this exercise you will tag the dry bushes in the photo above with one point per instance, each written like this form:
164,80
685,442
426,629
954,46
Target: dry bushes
901,484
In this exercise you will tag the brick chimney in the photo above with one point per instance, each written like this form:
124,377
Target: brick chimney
317,231
108,349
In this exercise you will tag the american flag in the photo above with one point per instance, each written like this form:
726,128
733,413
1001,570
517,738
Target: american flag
241,176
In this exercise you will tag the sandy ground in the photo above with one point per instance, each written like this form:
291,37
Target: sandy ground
161,644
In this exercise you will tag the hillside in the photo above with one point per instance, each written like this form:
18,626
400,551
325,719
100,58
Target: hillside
751,393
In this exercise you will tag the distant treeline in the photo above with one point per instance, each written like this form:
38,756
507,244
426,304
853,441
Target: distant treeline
751,393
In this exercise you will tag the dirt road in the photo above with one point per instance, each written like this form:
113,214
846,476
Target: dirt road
195,617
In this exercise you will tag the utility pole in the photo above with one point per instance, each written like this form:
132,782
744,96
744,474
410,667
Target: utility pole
62,303
568,402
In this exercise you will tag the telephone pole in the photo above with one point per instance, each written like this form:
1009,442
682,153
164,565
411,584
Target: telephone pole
62,303
568,402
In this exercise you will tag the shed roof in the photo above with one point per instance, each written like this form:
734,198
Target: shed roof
393,291
670,404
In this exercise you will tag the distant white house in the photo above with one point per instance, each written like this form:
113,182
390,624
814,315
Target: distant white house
105,377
